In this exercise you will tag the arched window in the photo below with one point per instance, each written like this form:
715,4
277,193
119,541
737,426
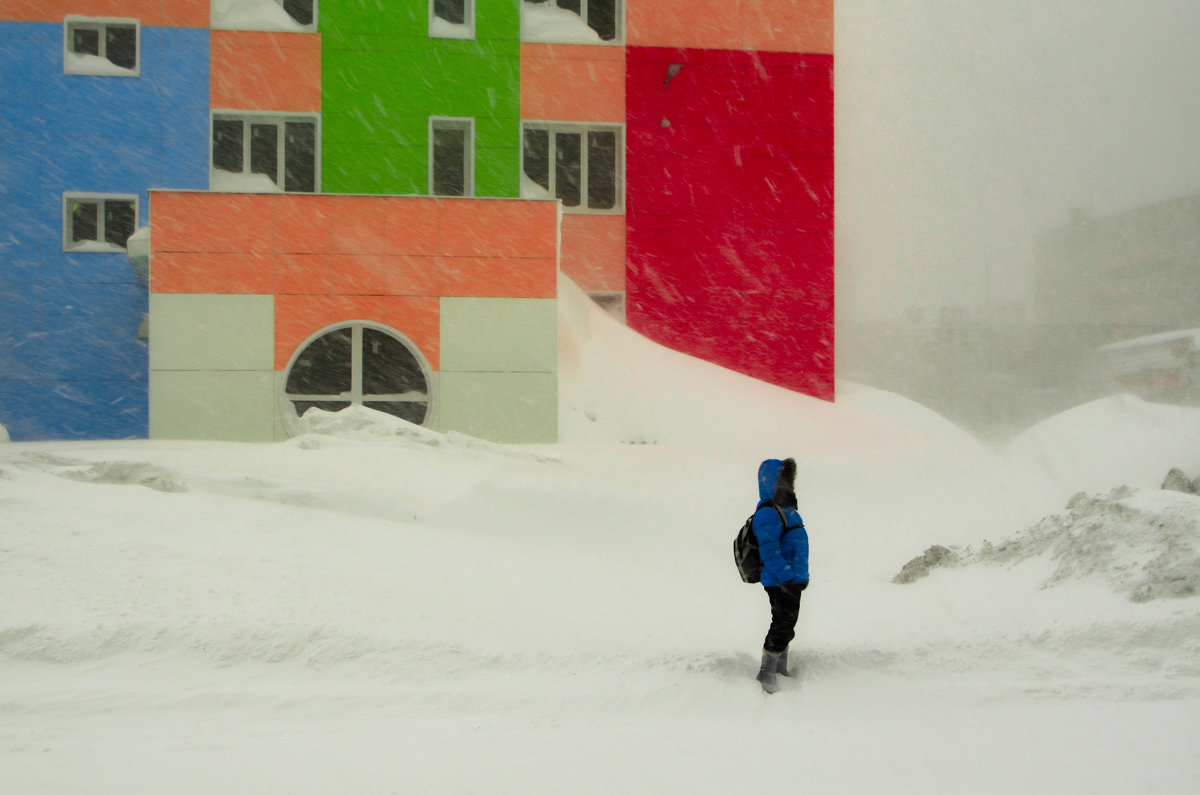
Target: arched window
357,363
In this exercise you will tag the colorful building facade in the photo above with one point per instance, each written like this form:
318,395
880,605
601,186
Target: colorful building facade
358,202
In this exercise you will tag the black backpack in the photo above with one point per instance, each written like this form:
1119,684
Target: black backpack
745,545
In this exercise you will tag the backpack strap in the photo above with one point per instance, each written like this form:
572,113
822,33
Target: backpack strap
782,517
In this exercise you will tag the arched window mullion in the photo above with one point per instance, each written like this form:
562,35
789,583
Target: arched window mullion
356,365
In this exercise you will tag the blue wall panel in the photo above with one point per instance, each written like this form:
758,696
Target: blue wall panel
29,53
184,105
72,366
95,338
24,229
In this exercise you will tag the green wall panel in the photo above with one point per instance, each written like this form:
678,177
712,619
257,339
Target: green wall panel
383,77
374,169
493,172
376,129
398,17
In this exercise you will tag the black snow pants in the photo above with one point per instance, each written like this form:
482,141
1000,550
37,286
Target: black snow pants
785,611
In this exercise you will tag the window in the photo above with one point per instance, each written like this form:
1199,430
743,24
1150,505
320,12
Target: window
452,19
263,152
451,156
101,46
581,21
579,164
281,15
358,364
98,222
304,12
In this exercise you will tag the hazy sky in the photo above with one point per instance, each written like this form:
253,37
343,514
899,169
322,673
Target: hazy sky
965,127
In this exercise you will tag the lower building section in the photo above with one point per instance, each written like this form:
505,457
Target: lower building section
457,334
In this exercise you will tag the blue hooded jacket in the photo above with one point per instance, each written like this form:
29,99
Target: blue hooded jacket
785,559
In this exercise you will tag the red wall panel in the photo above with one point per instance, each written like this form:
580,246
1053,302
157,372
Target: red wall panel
729,209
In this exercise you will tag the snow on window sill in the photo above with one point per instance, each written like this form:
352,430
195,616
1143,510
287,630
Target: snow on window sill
138,244
544,22
75,64
533,190
265,15
228,182
441,29
92,247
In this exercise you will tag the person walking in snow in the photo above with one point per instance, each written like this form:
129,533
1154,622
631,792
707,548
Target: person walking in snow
784,552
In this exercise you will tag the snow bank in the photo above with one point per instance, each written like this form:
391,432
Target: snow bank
1142,544
360,422
617,386
901,412
1115,441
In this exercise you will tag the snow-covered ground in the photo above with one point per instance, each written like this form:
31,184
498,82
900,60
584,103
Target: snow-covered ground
372,607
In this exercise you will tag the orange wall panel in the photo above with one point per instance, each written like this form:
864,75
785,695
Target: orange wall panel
172,13
410,226
247,65
356,225
224,273
788,26
711,24
211,222
302,274
379,274
512,277
471,228
302,225
593,251
773,25
186,13
572,82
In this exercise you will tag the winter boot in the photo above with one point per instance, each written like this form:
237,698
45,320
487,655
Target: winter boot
766,672
782,668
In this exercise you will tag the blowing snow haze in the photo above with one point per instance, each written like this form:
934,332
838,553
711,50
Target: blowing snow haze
966,134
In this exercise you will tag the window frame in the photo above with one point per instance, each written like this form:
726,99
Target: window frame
454,122
279,119
583,128
618,38
73,22
467,28
68,228
291,420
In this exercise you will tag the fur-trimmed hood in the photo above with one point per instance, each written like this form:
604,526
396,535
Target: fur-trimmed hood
777,481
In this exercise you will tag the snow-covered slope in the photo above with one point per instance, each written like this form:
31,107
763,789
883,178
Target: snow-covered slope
374,607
